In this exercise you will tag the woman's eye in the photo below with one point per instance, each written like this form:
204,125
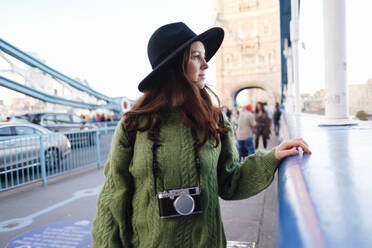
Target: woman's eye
198,57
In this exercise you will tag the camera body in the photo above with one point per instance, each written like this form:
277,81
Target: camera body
179,202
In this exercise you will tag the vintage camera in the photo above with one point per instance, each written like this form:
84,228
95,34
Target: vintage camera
179,202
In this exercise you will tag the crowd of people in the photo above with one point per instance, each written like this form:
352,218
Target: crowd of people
100,117
251,126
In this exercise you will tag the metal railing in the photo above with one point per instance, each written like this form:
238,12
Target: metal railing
314,190
32,158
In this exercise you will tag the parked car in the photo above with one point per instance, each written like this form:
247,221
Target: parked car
63,122
20,146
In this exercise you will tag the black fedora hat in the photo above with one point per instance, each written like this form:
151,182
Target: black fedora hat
172,39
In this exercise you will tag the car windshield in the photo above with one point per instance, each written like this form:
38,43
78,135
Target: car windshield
27,117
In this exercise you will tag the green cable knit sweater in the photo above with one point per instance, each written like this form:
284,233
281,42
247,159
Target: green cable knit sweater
128,214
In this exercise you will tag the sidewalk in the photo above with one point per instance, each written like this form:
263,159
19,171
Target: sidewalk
72,198
253,220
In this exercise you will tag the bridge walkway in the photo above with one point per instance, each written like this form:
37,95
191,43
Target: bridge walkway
72,197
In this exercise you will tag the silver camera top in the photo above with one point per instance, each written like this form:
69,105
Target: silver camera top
177,192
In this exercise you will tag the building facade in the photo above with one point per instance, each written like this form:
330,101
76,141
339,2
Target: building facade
359,96
250,54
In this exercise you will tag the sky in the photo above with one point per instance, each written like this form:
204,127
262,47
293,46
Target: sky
358,43
105,41
101,41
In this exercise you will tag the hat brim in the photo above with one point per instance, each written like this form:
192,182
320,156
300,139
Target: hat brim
212,40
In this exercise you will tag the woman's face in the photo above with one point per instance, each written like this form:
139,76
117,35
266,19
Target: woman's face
196,65
259,107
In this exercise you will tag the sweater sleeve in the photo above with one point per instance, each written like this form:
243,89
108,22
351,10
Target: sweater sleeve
242,180
112,225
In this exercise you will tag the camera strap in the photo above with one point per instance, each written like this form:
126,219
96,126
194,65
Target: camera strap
155,168
196,154
155,163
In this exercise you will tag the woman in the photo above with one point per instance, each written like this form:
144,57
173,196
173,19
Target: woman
277,115
263,125
162,183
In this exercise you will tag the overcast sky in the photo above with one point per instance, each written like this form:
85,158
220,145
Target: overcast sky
105,41
358,43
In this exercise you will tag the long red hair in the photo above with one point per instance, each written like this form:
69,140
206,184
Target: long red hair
172,89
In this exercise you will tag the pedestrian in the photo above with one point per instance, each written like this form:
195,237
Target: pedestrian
98,117
277,115
234,118
229,114
268,110
244,135
172,155
93,119
262,128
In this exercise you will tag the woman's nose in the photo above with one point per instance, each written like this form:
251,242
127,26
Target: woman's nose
204,65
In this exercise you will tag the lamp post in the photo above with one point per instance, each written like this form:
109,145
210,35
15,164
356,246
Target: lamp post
289,90
295,36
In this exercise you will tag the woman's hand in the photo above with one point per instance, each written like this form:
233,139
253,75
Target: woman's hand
285,148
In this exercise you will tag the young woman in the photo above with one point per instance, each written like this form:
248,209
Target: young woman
173,154
263,125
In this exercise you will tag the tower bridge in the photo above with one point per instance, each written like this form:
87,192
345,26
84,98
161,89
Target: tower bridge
323,198
250,55
117,105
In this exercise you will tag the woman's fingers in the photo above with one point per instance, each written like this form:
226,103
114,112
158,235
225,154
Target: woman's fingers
296,143
304,143
285,148
286,153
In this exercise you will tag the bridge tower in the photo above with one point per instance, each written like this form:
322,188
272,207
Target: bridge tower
250,54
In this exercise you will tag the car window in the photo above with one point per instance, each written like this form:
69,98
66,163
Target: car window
37,131
24,117
48,120
77,119
63,119
21,130
5,131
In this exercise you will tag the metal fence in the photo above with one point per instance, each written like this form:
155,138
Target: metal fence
32,158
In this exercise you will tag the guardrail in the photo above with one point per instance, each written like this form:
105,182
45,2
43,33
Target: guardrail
32,158
324,198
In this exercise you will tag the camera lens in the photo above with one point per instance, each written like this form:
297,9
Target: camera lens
184,204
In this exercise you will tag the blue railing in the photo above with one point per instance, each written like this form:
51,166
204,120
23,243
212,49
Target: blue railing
33,158
325,198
